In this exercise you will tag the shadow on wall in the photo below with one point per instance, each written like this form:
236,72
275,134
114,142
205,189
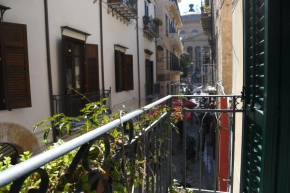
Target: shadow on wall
19,136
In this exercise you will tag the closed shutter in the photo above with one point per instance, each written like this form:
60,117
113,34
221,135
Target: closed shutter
260,98
92,68
14,61
129,72
118,71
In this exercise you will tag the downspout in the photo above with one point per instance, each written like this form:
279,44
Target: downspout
49,66
102,46
138,57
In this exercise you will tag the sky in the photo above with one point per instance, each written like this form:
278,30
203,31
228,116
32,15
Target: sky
184,6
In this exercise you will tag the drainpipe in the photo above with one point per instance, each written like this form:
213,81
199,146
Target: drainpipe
49,66
102,44
138,59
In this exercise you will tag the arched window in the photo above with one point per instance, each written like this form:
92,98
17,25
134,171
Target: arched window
195,31
182,32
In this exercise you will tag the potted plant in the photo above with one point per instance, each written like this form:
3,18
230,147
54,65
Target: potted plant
158,21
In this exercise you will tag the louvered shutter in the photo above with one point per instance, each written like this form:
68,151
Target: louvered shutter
260,98
118,71
129,72
92,68
15,68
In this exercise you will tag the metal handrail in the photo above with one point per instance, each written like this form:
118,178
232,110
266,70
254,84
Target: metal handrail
22,169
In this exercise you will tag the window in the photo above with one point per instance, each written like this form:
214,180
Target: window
166,21
194,31
14,81
123,71
82,78
167,60
146,8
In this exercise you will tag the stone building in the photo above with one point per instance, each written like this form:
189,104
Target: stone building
196,44
169,47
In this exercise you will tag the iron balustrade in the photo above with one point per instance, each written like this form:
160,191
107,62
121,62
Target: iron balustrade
150,26
176,67
152,90
71,105
156,143
127,9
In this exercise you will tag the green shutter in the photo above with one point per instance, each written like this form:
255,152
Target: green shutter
260,97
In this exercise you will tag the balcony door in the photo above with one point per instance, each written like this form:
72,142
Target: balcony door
80,73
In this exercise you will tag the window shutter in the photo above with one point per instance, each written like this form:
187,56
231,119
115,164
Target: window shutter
260,97
14,54
118,71
129,72
92,68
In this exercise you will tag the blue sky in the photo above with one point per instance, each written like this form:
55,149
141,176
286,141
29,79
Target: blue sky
184,6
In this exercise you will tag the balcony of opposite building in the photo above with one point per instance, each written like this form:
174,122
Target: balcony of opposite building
125,9
151,29
175,42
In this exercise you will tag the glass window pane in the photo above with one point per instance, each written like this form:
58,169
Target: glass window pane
68,47
68,64
77,74
77,50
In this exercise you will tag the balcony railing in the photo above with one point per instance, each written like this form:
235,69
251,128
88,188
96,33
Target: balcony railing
152,152
150,27
176,67
70,105
152,90
175,42
126,9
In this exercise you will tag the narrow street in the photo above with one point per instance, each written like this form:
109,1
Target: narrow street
193,167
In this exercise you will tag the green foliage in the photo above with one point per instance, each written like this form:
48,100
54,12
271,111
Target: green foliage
175,188
185,63
158,21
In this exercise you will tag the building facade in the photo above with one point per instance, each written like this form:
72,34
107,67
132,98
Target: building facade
63,48
169,47
196,44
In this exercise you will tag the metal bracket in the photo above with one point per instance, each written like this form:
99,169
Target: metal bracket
243,93
2,11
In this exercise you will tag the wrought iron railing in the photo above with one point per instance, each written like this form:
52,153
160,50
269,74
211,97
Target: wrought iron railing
71,105
150,26
176,67
154,144
152,90
126,9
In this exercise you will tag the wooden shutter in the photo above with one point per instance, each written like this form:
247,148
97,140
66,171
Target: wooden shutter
14,61
129,72
92,68
260,67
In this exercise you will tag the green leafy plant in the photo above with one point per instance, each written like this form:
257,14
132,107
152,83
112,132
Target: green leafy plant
158,21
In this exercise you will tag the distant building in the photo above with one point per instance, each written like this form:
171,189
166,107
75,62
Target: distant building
195,43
